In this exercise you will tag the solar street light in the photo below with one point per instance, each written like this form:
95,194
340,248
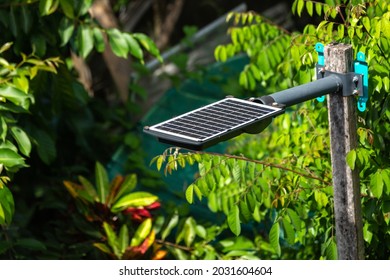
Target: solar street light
228,118
217,122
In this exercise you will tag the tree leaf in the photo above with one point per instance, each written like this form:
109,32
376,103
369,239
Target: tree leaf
331,250
16,96
3,129
31,244
190,194
85,38
13,22
318,8
98,39
6,47
103,247
89,188
136,199
234,220
22,139
171,224
376,184
274,238
65,30
351,159
201,231
10,159
112,239
26,19
288,231
67,8
82,6
309,7
123,239
188,232
321,198
45,7
118,42
300,6
7,206
134,47
149,45
295,219
386,180
141,233
45,146
128,185
102,182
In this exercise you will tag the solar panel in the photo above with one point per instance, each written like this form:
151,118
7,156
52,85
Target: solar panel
213,123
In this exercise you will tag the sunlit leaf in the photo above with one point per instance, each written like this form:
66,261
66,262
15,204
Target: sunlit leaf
134,47
67,8
85,39
123,239
288,231
300,7
172,222
142,232
7,206
309,8
274,238
331,250
386,180
201,231
190,193
16,96
136,199
351,159
295,219
102,182
118,42
321,198
112,238
6,47
22,139
233,220
149,45
128,185
376,184
88,187
10,159
98,39
318,8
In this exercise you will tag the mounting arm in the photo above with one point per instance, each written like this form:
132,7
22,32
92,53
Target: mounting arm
301,93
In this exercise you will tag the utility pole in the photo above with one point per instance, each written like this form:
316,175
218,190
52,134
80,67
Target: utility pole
343,138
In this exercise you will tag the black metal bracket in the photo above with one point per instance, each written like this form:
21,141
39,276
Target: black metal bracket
352,83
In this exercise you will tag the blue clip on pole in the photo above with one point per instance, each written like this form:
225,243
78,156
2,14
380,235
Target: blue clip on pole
361,67
321,62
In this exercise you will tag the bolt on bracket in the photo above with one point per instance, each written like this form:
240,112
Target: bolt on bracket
353,83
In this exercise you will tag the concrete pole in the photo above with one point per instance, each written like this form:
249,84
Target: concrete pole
343,138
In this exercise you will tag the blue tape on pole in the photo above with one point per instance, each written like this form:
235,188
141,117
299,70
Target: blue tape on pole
321,61
361,67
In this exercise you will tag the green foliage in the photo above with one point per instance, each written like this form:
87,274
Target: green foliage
39,108
128,224
285,177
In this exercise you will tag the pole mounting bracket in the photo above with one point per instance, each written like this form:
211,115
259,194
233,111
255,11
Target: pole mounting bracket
353,83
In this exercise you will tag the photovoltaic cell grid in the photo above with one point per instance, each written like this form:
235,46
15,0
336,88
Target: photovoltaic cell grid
214,120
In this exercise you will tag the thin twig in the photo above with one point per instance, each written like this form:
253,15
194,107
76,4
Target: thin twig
167,243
